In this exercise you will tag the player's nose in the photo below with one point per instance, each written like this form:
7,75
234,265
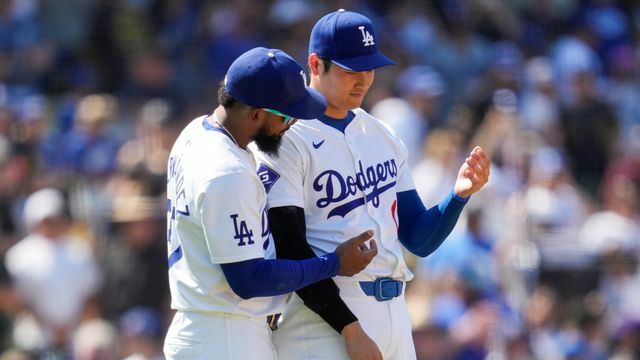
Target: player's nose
362,77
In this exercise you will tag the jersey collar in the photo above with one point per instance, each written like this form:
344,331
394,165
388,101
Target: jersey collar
338,124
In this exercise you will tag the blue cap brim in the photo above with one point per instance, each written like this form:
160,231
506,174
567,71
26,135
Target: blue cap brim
364,62
312,106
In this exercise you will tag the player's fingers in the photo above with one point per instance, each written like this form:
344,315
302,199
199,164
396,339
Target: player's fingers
469,173
371,252
478,166
373,248
478,153
485,171
473,167
364,248
479,179
483,156
481,160
360,239
476,156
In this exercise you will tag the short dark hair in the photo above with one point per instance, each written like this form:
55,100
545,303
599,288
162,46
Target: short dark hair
224,98
327,64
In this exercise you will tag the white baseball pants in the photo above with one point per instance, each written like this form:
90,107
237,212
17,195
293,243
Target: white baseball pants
302,334
195,335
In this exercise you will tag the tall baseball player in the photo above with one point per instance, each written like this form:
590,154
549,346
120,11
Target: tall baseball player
338,175
221,284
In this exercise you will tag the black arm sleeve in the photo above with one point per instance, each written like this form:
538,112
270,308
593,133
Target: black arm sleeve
289,233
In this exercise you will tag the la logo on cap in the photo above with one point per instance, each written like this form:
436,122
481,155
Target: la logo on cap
367,38
347,39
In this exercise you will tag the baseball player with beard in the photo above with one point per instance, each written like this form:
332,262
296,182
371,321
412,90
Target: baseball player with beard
338,175
221,284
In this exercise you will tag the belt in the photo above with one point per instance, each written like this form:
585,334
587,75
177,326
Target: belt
383,288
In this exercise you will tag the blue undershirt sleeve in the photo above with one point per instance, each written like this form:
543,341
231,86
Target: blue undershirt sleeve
422,231
262,277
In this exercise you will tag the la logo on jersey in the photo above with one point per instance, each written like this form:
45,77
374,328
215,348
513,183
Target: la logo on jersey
242,231
367,38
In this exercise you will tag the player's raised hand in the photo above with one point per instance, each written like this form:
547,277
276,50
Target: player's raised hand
473,174
355,255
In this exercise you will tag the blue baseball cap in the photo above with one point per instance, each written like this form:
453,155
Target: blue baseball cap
271,79
348,40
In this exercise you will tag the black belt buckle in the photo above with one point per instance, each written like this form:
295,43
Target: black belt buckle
378,286
272,321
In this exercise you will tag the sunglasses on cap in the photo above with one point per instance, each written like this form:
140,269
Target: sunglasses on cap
286,119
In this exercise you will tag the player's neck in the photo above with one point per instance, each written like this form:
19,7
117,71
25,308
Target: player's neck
238,135
335,113
233,129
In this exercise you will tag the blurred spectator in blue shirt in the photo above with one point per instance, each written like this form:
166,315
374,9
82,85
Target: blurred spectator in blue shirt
87,149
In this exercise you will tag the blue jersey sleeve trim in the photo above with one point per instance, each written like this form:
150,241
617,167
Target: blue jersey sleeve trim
422,231
261,277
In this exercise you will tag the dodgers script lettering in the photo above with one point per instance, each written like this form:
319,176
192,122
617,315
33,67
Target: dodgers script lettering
370,180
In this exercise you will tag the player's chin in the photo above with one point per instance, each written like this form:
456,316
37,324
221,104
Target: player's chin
355,101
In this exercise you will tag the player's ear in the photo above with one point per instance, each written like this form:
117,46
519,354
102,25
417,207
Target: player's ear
257,115
315,64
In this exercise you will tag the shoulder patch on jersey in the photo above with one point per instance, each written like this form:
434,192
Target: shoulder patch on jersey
268,176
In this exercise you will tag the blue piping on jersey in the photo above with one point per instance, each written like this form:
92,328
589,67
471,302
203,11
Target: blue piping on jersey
175,256
207,126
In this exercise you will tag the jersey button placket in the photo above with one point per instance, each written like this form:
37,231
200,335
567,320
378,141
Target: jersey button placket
356,166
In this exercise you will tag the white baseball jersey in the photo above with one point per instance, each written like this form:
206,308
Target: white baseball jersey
346,183
216,215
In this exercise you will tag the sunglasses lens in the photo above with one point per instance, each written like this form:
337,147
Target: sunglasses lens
286,119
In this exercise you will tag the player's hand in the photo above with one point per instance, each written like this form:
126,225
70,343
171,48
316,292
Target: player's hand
359,345
473,174
355,255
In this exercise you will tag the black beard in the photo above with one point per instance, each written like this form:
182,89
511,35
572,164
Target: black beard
269,144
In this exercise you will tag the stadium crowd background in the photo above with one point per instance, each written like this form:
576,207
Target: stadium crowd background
542,265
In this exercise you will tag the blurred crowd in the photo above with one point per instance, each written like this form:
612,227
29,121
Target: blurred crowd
543,263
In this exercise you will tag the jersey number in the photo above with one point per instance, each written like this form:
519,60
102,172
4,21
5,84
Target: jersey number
242,231
176,253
